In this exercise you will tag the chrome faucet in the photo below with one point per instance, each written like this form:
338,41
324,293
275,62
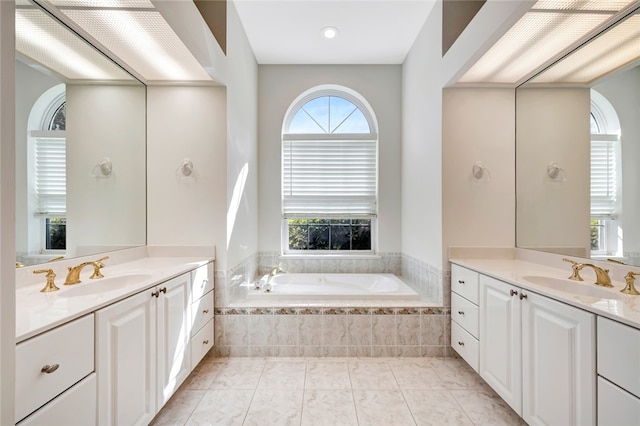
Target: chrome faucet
602,275
73,277
274,271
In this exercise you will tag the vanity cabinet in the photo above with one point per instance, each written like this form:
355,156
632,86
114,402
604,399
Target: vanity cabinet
537,354
464,314
201,313
142,352
618,373
48,369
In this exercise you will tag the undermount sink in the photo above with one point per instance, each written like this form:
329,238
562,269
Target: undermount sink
88,287
579,288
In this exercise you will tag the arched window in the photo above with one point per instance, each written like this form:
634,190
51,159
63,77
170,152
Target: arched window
329,172
605,176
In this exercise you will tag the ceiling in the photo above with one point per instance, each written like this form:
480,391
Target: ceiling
369,31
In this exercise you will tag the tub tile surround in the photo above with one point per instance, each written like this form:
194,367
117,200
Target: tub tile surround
336,391
332,332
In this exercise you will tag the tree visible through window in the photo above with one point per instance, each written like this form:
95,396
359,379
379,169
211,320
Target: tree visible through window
329,173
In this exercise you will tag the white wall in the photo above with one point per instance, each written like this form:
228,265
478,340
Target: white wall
187,122
215,127
103,213
623,91
553,125
478,125
425,74
279,86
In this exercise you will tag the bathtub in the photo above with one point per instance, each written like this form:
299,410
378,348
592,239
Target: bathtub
335,287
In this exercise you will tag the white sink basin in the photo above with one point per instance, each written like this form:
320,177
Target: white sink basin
579,288
100,285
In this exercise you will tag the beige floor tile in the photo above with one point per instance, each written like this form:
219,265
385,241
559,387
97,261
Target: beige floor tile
435,407
382,407
327,375
484,407
179,408
328,407
275,408
238,376
222,407
371,375
283,375
416,375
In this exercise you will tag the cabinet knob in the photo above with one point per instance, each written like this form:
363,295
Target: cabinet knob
205,342
513,292
523,296
50,368
461,312
461,343
460,281
155,293
206,311
163,290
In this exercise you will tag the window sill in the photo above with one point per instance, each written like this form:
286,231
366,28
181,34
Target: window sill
330,256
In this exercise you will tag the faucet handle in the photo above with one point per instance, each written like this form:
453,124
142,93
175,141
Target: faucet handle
630,287
51,285
97,266
575,275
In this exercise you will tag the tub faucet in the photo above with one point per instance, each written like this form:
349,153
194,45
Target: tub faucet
602,275
274,271
73,277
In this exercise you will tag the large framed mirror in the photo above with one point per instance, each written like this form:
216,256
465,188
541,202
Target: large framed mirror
80,145
578,150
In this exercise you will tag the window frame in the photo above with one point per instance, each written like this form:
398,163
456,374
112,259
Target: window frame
366,110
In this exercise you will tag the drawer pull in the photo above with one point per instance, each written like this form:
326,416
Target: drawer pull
460,281
204,283
461,312
461,343
523,296
50,368
206,311
513,292
205,342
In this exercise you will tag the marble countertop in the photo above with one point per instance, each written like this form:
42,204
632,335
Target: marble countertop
619,307
37,312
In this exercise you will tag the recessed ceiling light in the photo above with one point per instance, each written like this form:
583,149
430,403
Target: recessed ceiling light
329,32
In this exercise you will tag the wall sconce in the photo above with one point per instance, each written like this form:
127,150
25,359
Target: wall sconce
555,173
185,170
480,173
103,169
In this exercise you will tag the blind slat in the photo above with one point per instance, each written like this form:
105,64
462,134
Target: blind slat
50,176
603,176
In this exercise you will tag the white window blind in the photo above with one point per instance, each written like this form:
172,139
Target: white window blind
50,173
329,175
603,175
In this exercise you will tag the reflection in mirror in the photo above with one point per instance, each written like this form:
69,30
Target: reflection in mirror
74,108
582,113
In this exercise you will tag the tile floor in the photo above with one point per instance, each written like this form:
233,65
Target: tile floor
335,391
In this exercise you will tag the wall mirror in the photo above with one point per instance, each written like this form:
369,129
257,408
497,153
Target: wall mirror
578,150
80,145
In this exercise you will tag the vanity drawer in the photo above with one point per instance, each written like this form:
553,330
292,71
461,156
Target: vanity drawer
615,406
465,344
465,282
201,312
465,314
69,347
202,281
201,343
617,361
75,407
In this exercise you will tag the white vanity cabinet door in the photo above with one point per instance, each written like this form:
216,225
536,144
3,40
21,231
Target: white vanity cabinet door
173,336
126,361
616,407
67,350
558,359
201,312
202,279
201,343
75,407
500,343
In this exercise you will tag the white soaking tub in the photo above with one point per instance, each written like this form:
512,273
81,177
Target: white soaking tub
335,287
